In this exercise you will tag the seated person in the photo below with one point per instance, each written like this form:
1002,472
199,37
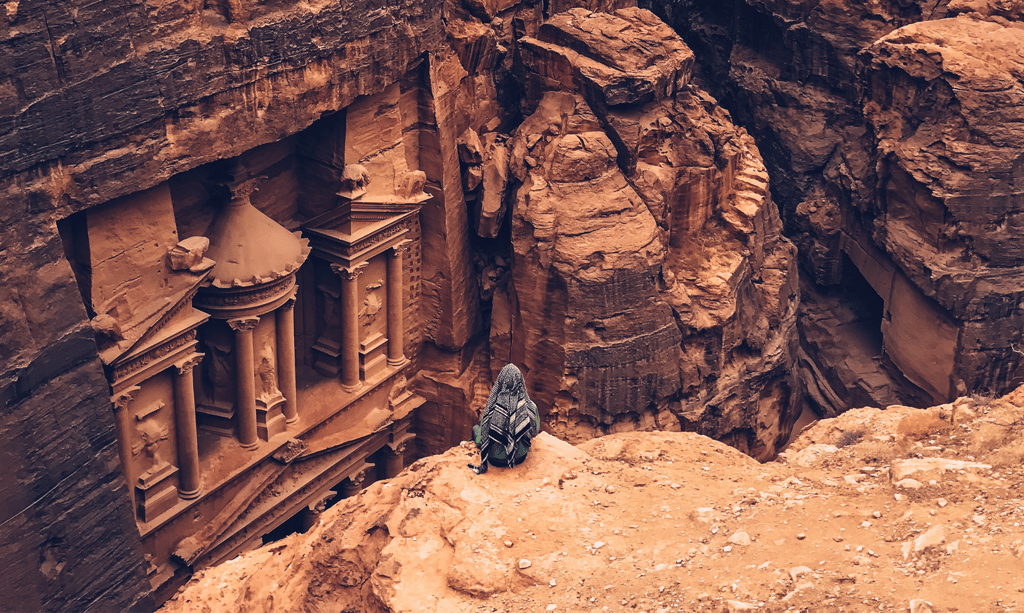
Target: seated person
509,421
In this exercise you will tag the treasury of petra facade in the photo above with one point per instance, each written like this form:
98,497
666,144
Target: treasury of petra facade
259,365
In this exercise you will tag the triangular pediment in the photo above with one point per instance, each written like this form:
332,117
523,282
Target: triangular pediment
173,315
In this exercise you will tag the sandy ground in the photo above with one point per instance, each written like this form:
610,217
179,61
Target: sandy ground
895,510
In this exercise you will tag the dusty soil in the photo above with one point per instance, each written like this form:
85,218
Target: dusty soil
853,517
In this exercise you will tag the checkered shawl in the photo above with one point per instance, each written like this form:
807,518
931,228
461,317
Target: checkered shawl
507,417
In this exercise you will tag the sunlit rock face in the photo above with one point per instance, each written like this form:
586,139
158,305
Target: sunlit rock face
256,255
621,518
653,287
891,136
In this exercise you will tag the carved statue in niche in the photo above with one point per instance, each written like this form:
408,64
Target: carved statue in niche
220,369
412,184
151,433
373,304
267,373
108,331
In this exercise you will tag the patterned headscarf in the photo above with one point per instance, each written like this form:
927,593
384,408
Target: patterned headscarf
508,416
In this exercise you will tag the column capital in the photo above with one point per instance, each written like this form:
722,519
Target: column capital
185,366
349,273
358,478
400,248
243,324
122,399
289,303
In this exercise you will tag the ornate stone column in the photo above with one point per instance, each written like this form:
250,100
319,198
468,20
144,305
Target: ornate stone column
311,514
354,483
285,320
245,381
396,327
349,326
122,425
189,473
394,461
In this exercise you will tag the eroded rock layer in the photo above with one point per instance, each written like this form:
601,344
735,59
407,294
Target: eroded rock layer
893,135
651,281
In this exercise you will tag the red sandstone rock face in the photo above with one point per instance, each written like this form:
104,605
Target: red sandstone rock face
671,522
102,100
892,134
653,287
945,101
674,288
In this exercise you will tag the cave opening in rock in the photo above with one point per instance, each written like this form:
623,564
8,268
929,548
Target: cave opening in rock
842,335
865,310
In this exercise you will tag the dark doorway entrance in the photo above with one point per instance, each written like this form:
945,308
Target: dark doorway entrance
864,310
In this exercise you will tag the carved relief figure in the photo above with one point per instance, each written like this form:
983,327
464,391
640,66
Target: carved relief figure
397,392
151,433
354,180
412,184
267,372
373,304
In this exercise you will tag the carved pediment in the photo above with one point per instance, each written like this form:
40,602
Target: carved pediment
173,317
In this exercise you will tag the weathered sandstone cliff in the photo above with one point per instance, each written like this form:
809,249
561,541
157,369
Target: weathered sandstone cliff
650,284
892,134
97,101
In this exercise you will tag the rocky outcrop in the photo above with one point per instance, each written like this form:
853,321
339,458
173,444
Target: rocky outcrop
672,521
652,284
888,134
953,190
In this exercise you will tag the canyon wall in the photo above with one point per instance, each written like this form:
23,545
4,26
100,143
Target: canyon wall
613,235
652,285
892,134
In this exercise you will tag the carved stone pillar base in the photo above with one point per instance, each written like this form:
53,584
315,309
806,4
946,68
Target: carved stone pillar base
327,358
217,418
398,363
192,495
155,492
270,419
372,357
